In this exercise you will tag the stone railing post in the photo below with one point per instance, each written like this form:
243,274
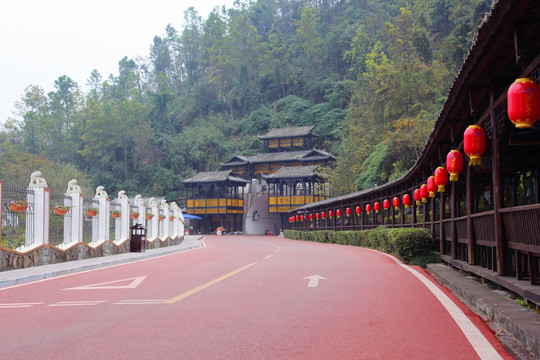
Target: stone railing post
174,209
73,226
103,218
141,208
153,223
37,231
122,223
164,228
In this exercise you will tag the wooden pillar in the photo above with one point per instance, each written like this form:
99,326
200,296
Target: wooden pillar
470,228
441,225
453,235
497,187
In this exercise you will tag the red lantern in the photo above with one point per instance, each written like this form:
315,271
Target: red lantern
338,213
330,214
377,207
407,200
431,186
348,211
358,210
524,102
417,196
424,193
302,217
386,204
441,178
310,217
317,216
368,208
396,202
297,217
454,164
474,144
323,214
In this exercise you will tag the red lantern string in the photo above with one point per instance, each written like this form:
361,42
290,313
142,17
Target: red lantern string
474,144
431,187
407,200
424,193
523,102
454,164
441,178
396,202
417,196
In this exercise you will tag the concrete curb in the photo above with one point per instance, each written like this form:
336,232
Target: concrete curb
492,305
21,276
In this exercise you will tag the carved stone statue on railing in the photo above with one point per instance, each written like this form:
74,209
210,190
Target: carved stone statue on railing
37,181
100,192
73,188
122,195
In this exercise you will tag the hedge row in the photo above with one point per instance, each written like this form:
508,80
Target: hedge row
412,246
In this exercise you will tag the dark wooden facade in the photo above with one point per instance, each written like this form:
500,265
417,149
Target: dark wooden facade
292,187
218,198
489,221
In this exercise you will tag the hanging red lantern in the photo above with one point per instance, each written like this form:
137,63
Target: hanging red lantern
424,193
317,216
297,218
431,186
441,178
417,196
386,204
474,144
310,217
523,102
331,214
323,214
302,217
396,202
377,207
407,200
368,208
358,210
338,213
454,164
348,211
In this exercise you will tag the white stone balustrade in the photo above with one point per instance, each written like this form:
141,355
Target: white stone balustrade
37,230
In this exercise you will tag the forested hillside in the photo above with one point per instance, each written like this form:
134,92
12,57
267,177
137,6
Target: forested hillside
371,75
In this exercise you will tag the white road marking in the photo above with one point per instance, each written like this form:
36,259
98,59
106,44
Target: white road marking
78,303
314,280
477,340
140,302
18,305
133,283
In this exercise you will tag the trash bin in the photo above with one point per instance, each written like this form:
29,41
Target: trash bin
138,238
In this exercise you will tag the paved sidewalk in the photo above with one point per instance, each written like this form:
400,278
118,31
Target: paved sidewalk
14,277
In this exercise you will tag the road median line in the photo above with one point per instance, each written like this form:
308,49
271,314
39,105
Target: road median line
208,284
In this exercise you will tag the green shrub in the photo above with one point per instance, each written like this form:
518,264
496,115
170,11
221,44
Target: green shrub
378,239
424,259
408,243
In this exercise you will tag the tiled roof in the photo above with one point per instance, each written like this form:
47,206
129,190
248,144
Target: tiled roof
304,155
214,176
288,172
288,132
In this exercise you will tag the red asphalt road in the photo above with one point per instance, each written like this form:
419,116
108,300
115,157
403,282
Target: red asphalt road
238,298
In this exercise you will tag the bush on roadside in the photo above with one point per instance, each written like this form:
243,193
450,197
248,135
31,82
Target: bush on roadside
413,246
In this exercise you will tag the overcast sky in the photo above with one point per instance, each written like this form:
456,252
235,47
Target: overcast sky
41,40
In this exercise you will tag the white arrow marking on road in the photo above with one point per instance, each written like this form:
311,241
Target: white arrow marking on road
133,283
314,280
